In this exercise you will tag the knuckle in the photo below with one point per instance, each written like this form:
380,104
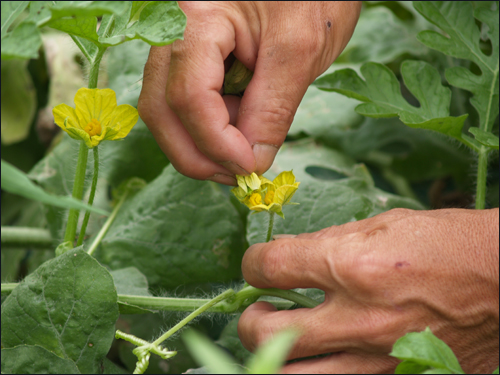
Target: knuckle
271,259
278,112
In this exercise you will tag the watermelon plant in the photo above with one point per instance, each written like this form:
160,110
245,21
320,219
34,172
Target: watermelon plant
108,252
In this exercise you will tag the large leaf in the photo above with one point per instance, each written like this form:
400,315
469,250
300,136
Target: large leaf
16,182
18,101
373,38
33,359
67,306
425,349
382,95
10,11
414,154
157,23
22,43
177,231
456,19
485,138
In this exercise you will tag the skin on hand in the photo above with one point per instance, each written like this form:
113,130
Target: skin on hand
286,44
383,277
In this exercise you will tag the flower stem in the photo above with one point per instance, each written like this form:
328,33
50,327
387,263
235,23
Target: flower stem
482,169
94,68
81,167
107,224
228,293
270,228
91,197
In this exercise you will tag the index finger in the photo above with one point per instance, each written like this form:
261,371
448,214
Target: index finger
195,78
289,263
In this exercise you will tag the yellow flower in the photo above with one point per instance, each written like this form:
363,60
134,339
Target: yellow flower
260,194
96,117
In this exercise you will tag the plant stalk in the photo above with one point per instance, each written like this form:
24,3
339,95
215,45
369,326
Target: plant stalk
107,224
270,227
21,237
228,293
91,197
94,68
482,171
81,167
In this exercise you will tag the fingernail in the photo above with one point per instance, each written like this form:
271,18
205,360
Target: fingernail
280,236
223,179
264,155
235,168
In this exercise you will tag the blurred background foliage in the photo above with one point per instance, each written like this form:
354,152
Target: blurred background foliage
351,167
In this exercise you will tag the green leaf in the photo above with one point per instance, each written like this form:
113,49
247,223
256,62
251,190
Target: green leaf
382,95
485,138
456,19
208,354
22,43
496,371
83,27
10,11
409,367
88,8
374,37
17,182
33,359
67,306
425,349
271,356
157,23
177,230
130,281
18,101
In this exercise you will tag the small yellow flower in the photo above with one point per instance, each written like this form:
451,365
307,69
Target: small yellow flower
96,117
253,190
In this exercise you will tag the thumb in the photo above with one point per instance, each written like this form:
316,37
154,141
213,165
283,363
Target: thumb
270,102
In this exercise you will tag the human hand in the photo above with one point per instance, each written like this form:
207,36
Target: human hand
383,277
287,45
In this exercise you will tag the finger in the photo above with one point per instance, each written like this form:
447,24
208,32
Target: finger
344,363
287,264
322,329
166,127
271,99
195,77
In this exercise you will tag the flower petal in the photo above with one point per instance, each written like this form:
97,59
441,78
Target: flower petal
81,135
62,112
253,181
122,120
259,208
284,178
94,103
284,194
239,193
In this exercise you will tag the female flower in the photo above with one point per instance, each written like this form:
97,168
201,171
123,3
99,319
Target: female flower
96,117
260,194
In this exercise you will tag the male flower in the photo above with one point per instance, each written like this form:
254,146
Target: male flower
260,194
96,117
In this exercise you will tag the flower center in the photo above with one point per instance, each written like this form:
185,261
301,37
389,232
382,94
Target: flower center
93,127
255,199
269,197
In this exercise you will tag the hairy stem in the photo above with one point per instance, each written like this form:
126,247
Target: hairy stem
270,227
228,293
482,171
7,288
94,68
91,197
81,167
107,224
21,237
